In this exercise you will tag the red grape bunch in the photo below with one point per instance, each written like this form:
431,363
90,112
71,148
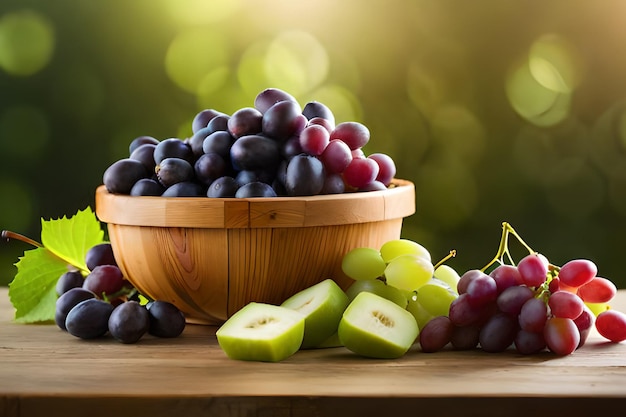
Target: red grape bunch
531,306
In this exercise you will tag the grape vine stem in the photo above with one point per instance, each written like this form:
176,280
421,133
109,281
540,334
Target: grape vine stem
7,235
503,247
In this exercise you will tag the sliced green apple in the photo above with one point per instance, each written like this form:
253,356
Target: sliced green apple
322,306
262,332
375,327
332,342
378,287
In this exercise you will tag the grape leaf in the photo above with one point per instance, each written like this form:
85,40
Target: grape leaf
70,239
33,290
65,243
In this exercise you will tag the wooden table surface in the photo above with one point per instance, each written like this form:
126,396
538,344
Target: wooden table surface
47,372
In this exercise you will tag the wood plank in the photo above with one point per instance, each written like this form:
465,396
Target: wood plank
44,371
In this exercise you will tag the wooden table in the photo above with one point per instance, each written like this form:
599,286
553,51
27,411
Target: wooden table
47,372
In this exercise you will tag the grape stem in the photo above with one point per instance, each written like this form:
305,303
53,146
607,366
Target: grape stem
503,248
7,235
452,254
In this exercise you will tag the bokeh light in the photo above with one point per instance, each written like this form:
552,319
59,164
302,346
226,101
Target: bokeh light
498,111
194,55
16,209
196,12
24,131
26,42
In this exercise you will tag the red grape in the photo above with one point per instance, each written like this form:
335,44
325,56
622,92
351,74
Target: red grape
561,335
611,324
598,290
577,272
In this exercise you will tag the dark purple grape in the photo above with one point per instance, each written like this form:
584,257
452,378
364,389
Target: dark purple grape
528,343
512,299
69,280
100,254
67,301
333,184
314,109
219,123
196,141
373,186
255,189
464,337
166,320
104,280
270,96
245,121
498,333
122,174
219,142
141,140
283,120
248,176
253,152
89,319
174,170
209,167
202,119
224,187
436,334
128,322
184,189
291,147
305,176
173,148
145,155
147,187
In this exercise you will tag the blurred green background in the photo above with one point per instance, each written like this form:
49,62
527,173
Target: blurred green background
501,110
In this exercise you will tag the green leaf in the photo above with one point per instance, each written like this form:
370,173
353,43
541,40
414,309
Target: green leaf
33,290
65,243
70,239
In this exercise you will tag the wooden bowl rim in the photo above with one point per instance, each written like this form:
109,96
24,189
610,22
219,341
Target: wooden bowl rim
398,201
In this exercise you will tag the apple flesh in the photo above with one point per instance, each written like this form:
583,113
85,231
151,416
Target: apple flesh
262,332
375,327
322,305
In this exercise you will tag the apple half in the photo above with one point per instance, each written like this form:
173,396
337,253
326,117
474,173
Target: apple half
262,332
375,327
322,305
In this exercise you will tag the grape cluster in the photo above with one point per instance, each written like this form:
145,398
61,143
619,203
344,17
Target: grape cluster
402,271
104,302
275,148
531,306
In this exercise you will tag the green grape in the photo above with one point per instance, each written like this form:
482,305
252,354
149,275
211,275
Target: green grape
419,312
378,287
397,247
436,297
448,275
363,263
408,272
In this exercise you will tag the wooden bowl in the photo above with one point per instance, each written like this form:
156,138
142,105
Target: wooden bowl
212,256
